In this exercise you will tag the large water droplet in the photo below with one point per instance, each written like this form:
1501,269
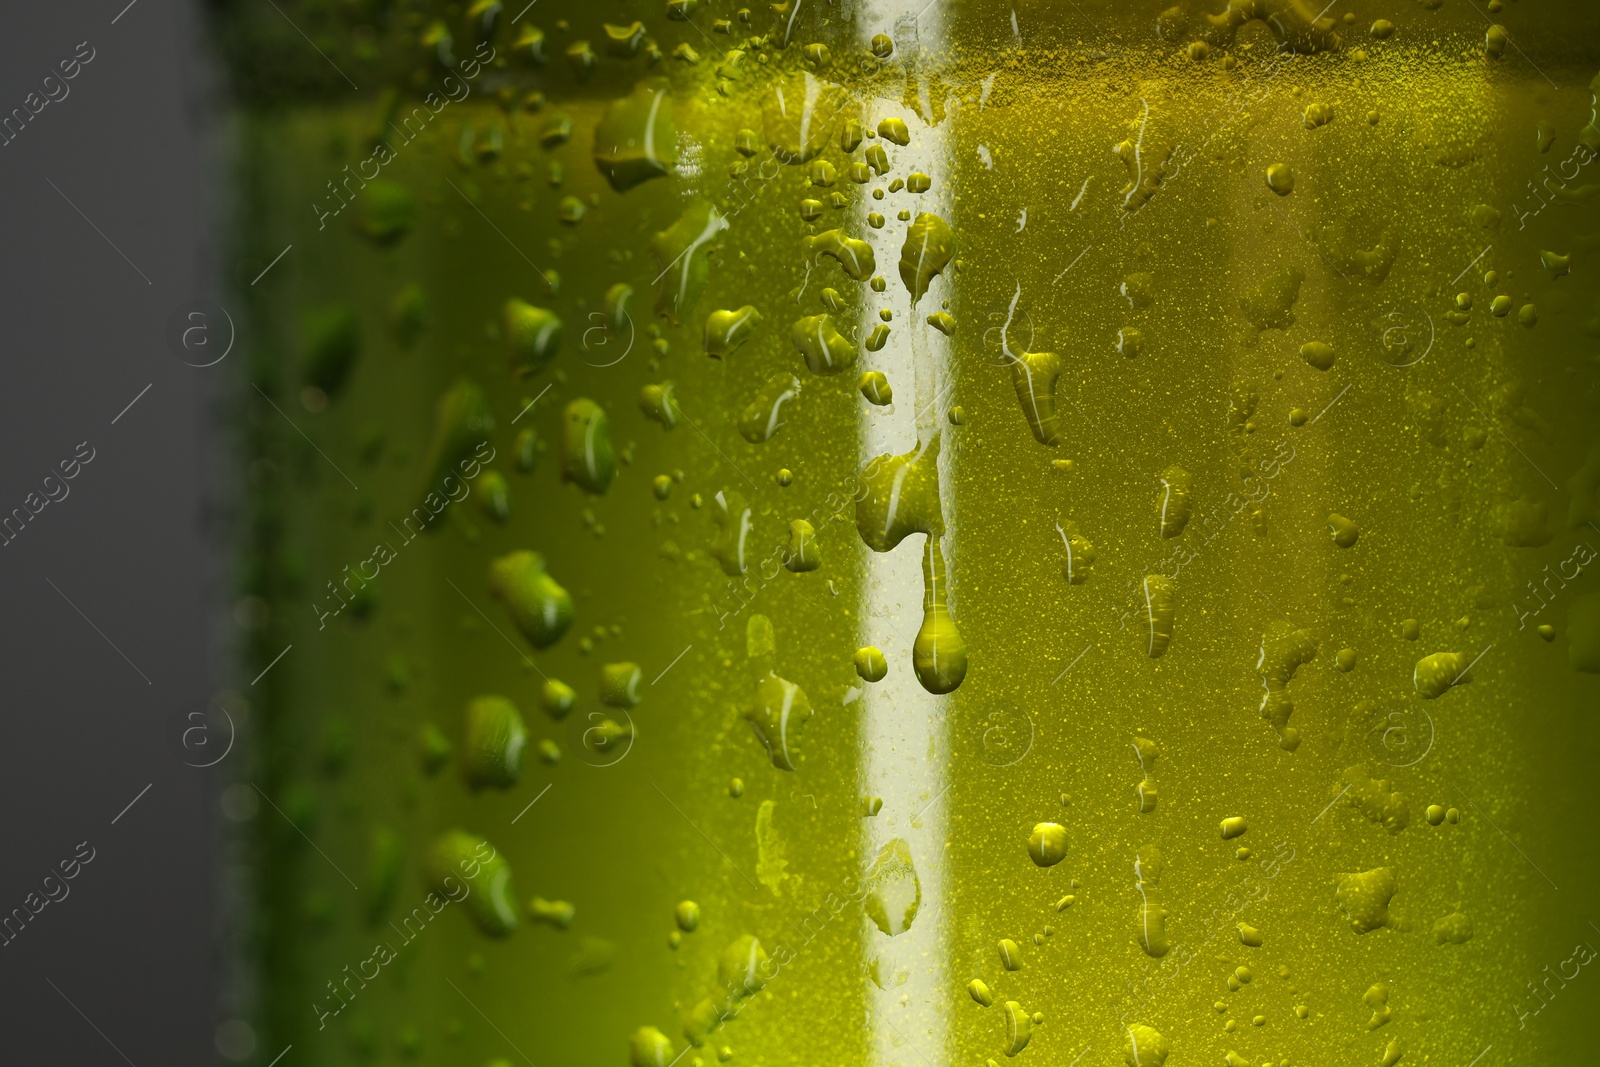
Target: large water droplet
763,418
462,427
683,251
541,609
928,246
491,750
777,713
727,330
1034,375
587,459
1159,609
1284,650
1173,501
533,334
466,869
854,255
893,892
732,516
826,351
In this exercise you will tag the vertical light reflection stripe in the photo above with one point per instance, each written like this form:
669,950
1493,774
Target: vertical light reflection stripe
905,742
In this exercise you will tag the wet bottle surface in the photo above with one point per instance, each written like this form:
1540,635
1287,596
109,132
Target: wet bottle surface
921,535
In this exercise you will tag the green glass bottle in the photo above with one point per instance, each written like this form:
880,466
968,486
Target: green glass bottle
912,534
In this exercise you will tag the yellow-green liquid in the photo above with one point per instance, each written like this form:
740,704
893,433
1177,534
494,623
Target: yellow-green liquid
1310,533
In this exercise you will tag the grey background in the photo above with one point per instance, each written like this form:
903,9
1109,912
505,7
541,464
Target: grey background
133,952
